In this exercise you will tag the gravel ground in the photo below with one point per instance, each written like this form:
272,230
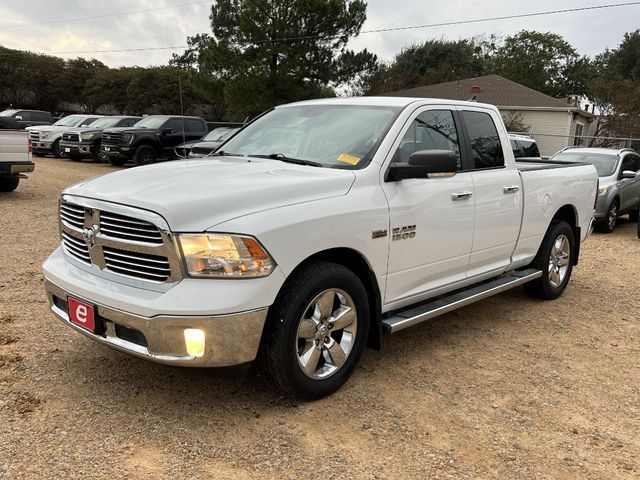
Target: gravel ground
507,388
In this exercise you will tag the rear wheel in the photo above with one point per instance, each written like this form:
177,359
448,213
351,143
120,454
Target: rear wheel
98,155
555,259
608,225
317,330
9,184
145,155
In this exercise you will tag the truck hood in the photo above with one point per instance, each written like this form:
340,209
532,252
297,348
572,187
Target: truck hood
194,196
47,128
129,130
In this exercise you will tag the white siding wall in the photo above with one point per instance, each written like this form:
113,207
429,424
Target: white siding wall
550,123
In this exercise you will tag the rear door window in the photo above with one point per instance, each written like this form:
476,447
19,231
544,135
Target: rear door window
628,163
40,117
486,148
194,126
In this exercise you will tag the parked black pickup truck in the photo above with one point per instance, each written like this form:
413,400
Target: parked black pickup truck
21,119
84,142
152,138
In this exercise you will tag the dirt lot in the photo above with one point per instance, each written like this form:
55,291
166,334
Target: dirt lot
509,388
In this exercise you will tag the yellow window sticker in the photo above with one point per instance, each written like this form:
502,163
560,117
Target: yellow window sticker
350,159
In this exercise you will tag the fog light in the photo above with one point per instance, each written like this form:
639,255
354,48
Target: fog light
194,341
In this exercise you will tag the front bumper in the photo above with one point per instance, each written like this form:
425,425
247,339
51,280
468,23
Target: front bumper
82,149
118,151
229,339
42,145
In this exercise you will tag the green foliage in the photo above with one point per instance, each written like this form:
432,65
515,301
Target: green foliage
434,61
269,52
539,60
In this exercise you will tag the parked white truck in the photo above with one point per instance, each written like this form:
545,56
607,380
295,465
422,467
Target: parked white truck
15,158
315,228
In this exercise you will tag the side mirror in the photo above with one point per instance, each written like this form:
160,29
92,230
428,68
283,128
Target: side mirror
18,117
425,164
629,174
167,131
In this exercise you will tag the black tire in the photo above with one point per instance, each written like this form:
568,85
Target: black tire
56,150
98,155
281,345
145,155
117,162
545,287
634,214
608,225
9,184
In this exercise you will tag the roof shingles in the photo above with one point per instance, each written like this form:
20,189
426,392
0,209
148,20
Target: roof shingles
494,89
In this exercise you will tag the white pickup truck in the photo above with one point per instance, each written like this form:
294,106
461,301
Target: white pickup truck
15,158
312,231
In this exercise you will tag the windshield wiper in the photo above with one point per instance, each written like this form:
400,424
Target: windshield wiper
284,158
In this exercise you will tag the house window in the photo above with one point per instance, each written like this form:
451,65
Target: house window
578,140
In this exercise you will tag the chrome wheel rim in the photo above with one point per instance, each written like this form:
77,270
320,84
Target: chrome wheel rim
613,217
559,260
326,334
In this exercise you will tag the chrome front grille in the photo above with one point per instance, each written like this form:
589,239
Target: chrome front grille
71,137
72,215
126,228
118,240
34,136
78,249
138,265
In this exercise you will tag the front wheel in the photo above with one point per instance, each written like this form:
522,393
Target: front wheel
555,258
145,155
316,331
608,225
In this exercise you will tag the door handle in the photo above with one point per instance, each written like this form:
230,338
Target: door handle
511,189
461,196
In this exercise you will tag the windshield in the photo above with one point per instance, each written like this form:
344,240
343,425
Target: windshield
219,134
7,113
151,122
329,135
70,121
105,122
605,164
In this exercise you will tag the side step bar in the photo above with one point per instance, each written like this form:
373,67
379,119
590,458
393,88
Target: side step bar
417,314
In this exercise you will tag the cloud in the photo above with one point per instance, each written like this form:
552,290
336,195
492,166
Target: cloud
589,32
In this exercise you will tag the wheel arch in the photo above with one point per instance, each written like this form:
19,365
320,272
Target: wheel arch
569,214
358,264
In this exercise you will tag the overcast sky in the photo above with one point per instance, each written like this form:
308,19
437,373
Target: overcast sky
590,32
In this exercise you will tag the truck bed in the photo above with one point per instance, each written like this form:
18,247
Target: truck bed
531,165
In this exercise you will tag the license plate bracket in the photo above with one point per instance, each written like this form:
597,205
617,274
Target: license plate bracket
84,315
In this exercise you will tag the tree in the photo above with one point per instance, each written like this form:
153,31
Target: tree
434,61
541,61
109,87
269,52
70,83
158,90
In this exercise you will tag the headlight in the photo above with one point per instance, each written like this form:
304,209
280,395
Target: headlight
44,135
602,191
225,256
127,137
87,136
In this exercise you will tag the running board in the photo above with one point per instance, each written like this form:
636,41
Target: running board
426,311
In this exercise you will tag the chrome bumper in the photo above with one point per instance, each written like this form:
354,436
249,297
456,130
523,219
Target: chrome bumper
229,339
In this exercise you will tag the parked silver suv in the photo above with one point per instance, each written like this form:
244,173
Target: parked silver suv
619,172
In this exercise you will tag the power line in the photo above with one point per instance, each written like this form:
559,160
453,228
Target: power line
107,15
384,30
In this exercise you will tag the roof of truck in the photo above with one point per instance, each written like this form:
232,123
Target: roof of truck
386,102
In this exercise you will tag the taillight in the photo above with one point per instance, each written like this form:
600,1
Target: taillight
595,201
30,147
